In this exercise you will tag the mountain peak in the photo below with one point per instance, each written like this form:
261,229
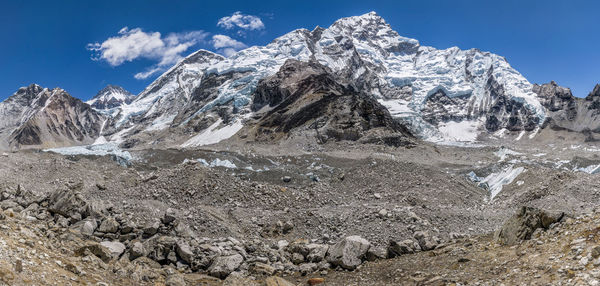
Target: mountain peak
373,30
595,92
201,56
110,97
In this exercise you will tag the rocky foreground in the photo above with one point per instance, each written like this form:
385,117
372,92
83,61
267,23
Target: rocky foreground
61,239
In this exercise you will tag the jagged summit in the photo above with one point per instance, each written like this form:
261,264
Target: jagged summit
110,97
595,92
42,117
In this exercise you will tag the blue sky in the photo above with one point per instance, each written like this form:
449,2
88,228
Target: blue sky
52,42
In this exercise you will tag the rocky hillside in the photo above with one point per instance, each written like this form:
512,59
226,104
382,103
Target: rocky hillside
566,112
307,99
41,117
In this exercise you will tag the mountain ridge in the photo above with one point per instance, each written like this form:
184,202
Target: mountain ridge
447,95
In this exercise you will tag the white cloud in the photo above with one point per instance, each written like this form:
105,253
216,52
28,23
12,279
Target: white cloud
242,21
226,45
134,44
222,41
148,73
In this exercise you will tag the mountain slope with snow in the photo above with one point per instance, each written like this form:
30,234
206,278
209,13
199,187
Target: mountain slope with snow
110,97
41,117
442,95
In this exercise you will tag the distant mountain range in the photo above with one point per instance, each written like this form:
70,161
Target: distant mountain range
357,80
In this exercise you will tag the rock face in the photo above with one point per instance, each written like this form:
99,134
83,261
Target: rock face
306,98
41,117
566,112
110,97
349,252
522,225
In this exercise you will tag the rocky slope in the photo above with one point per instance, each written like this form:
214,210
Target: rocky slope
566,112
307,99
110,97
41,117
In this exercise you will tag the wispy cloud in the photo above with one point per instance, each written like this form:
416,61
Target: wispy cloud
241,21
132,44
226,45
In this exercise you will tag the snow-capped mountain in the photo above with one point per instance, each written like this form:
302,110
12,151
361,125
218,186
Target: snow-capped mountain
439,95
42,117
110,97
448,94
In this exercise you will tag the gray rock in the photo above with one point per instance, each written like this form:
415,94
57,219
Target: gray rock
596,252
308,268
8,204
317,252
426,241
137,250
400,248
96,249
86,227
109,225
127,227
349,252
297,258
262,269
222,266
522,225
114,247
151,228
185,251
376,253
68,203
169,216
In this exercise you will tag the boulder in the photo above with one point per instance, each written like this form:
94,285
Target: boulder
86,227
137,250
159,247
426,241
400,248
169,216
185,251
67,203
114,247
522,225
317,252
109,225
127,227
151,228
96,249
263,269
222,266
8,204
349,252
376,253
